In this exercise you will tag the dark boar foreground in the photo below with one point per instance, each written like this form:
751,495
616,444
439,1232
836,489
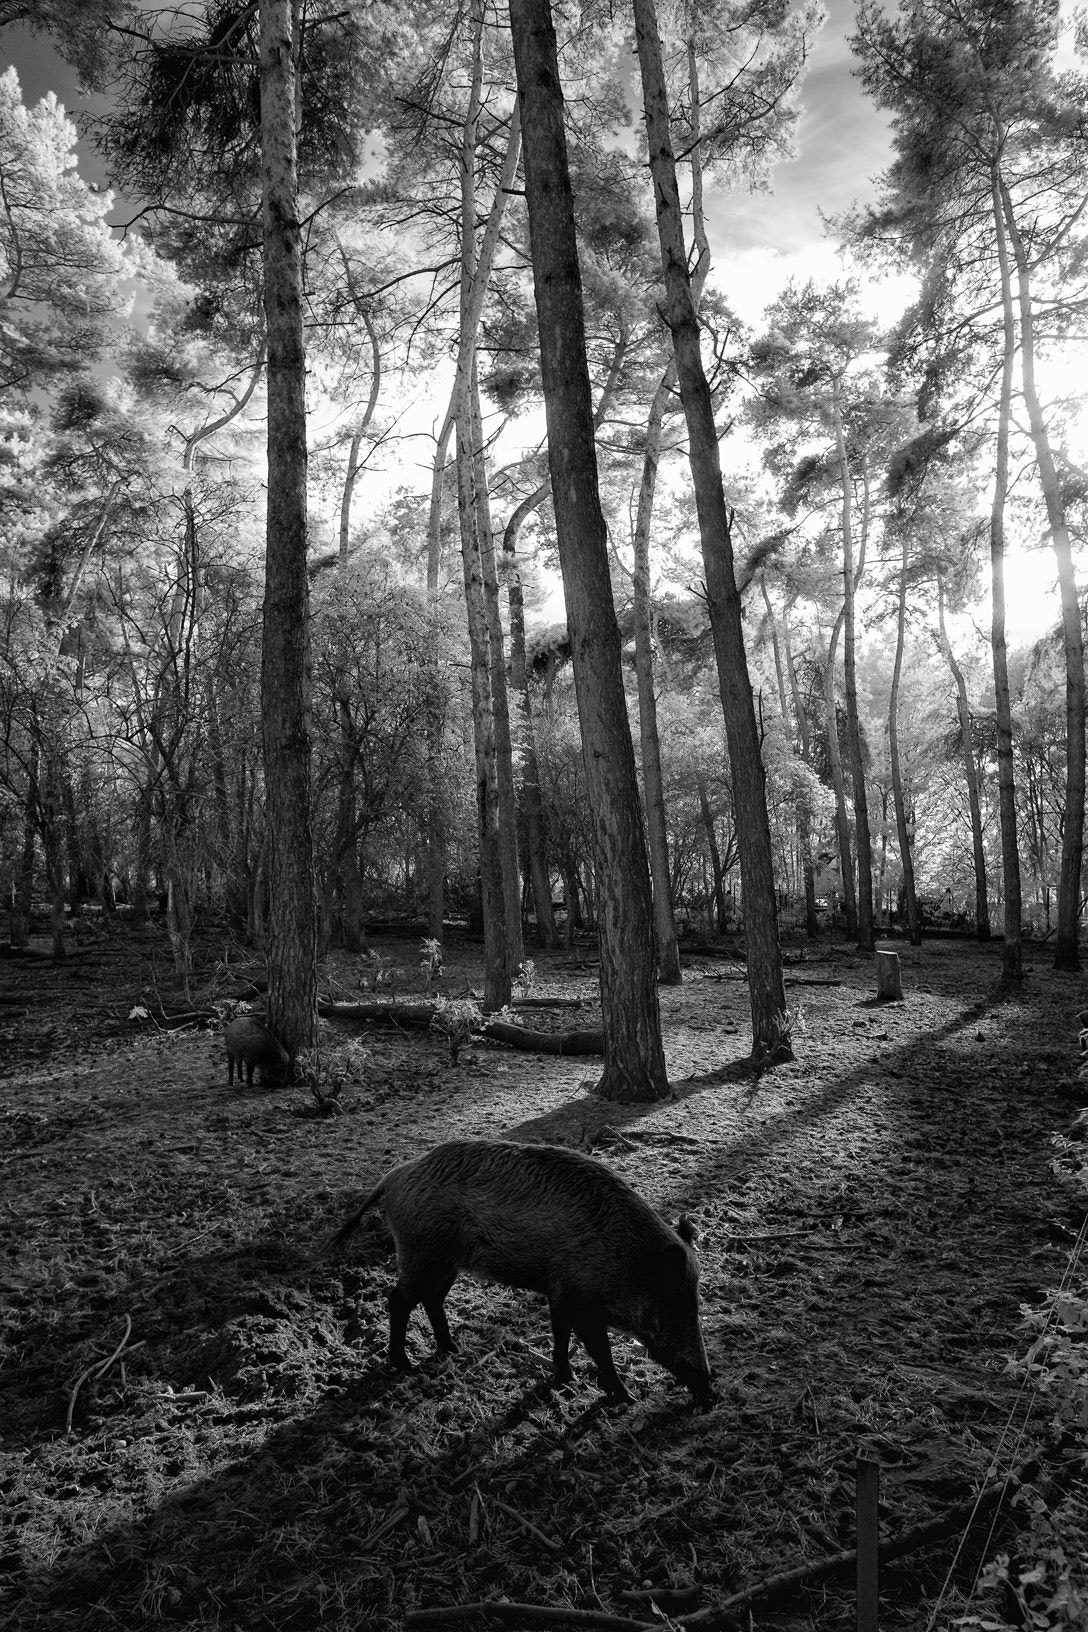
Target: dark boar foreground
554,1222
250,1043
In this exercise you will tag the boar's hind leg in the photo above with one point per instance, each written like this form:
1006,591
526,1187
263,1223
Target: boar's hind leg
433,1305
430,1292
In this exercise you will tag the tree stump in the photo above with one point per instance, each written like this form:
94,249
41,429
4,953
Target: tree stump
889,982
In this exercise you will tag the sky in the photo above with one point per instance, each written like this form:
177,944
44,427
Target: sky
758,240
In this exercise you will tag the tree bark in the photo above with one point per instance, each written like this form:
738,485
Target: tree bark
1012,962
634,1058
1066,939
970,771
285,667
766,986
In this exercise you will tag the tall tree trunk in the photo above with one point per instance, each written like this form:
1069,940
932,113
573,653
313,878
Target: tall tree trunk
765,982
500,701
668,952
1066,939
497,963
634,1058
352,472
285,668
970,771
717,872
834,759
862,837
800,805
804,818
1012,962
914,929
531,803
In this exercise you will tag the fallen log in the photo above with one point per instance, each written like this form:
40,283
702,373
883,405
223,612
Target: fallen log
422,1015
544,1042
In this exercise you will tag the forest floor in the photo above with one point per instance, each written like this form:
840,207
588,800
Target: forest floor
872,1216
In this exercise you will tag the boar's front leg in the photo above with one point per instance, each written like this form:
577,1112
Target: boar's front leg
562,1326
594,1334
593,1331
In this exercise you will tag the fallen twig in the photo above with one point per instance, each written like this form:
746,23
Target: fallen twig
532,1614
383,1529
512,1513
99,1369
667,1599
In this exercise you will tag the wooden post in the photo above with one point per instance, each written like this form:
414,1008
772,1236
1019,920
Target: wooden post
889,983
866,1499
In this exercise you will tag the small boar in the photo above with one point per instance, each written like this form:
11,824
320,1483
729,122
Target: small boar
249,1042
551,1221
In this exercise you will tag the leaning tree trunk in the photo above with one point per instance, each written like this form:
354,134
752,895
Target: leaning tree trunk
1066,939
765,981
1012,962
285,667
970,771
634,1058
914,928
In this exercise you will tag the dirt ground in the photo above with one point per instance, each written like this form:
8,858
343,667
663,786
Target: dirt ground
198,1425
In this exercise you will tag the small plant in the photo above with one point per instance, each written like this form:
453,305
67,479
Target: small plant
326,1082
457,1018
779,1043
378,971
430,962
524,975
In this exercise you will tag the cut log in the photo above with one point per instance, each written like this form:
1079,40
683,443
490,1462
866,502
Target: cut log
889,982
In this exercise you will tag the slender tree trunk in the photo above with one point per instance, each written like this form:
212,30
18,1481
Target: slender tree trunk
802,824
497,964
716,871
634,1058
804,819
531,803
906,856
352,472
862,837
500,701
1066,939
285,670
970,771
668,952
1012,964
834,759
766,986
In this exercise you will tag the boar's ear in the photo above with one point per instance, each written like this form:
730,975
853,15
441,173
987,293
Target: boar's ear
685,1229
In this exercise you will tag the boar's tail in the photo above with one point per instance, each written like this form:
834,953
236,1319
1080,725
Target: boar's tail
350,1225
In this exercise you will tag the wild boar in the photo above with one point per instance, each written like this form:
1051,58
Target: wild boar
552,1221
249,1043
